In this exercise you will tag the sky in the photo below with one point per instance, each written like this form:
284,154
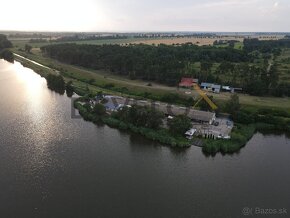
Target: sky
146,15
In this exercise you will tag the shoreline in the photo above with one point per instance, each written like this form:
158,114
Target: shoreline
210,146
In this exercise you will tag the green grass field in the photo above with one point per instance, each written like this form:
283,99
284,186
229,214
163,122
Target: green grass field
239,45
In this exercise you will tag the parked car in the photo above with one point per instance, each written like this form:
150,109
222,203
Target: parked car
190,133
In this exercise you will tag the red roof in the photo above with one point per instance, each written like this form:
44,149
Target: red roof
187,82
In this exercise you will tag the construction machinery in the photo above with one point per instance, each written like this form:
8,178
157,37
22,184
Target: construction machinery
203,96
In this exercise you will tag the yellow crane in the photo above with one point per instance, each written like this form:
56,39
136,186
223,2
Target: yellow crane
203,96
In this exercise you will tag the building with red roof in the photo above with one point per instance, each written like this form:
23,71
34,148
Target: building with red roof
188,82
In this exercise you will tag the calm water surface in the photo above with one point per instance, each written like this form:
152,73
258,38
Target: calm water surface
54,166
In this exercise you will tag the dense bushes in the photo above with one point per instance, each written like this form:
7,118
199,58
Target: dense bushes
276,119
179,124
69,89
140,116
161,135
239,137
242,134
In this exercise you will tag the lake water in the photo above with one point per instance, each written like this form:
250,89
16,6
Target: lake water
54,166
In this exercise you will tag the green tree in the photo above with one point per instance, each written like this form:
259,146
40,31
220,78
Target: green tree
56,83
233,106
7,55
99,109
141,116
27,48
4,42
179,124
69,89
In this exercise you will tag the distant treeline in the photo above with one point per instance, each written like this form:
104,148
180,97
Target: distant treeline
4,45
266,46
28,35
163,63
88,37
38,40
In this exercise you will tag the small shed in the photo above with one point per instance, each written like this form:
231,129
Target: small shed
206,85
216,88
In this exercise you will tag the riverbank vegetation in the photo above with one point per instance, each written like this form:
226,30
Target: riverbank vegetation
247,122
140,120
56,83
4,52
240,135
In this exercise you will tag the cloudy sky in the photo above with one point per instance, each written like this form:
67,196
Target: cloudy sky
146,15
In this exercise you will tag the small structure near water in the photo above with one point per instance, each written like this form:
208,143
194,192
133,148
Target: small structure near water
211,87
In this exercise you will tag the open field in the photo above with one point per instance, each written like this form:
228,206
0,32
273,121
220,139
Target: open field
194,40
239,45
261,102
206,40
202,40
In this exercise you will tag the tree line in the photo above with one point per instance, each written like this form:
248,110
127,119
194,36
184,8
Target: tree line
266,46
163,63
167,64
